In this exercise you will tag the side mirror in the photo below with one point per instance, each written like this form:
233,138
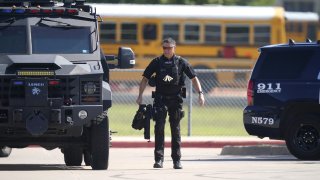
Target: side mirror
126,58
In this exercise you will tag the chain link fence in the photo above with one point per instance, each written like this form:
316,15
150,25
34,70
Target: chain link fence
225,95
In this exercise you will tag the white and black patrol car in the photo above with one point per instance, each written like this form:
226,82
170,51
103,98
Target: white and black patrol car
54,89
283,97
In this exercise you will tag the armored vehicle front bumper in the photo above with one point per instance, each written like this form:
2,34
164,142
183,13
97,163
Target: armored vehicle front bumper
48,106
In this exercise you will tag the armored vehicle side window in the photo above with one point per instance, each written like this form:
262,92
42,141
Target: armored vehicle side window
13,39
284,64
61,40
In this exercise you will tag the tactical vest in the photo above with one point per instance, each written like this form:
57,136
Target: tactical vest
169,72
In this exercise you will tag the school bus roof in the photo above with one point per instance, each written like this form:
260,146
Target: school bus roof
301,16
188,11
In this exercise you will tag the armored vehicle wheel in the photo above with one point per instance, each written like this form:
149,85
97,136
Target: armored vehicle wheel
73,156
100,145
5,151
302,138
87,158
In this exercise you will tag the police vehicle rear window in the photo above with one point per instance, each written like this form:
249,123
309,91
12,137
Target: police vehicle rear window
13,39
60,40
284,64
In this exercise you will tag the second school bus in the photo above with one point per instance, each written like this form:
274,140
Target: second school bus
210,37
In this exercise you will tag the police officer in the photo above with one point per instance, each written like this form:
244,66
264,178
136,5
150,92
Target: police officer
170,71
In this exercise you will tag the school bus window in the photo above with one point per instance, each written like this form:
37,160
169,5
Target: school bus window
212,34
262,35
294,27
299,27
171,30
128,32
149,31
312,31
107,32
191,33
237,34
289,27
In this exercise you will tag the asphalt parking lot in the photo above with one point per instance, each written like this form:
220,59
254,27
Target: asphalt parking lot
136,163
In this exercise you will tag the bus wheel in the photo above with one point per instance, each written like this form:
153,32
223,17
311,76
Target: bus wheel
208,80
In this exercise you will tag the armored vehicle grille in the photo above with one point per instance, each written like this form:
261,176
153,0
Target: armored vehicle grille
66,89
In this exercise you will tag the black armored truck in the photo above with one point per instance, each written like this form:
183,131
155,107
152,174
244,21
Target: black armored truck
54,89
284,97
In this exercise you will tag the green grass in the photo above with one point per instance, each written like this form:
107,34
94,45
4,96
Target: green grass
206,121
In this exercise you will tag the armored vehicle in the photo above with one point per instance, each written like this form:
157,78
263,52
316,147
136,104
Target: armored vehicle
54,89
283,97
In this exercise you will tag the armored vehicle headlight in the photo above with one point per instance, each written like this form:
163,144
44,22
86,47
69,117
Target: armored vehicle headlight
90,88
83,114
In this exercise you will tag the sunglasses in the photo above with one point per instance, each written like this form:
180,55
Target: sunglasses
169,48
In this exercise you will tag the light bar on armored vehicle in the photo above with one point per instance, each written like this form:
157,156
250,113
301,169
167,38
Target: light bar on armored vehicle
39,11
35,73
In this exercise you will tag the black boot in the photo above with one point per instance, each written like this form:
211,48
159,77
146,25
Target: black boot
158,164
177,165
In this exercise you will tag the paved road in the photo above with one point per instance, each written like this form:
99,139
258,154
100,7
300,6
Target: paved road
136,163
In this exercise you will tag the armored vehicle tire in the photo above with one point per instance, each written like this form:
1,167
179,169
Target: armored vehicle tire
302,138
73,155
5,151
100,145
87,158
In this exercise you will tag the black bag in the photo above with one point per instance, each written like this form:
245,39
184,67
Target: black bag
138,120
142,118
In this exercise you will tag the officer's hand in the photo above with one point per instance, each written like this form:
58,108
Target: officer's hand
201,99
139,100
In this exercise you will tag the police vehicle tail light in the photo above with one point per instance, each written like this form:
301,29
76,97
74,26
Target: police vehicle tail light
250,93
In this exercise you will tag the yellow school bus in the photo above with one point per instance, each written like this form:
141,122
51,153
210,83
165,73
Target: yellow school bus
302,25
210,37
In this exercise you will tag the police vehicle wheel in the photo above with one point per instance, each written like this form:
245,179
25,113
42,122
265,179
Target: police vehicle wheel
73,155
100,145
302,138
5,151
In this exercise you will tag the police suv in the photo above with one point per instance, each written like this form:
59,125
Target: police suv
283,97
54,89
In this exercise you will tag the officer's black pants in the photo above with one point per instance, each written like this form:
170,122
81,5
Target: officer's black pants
172,105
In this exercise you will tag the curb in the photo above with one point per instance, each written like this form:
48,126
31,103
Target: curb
196,144
255,150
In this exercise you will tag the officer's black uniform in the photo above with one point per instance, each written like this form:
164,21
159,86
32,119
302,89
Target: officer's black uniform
170,76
